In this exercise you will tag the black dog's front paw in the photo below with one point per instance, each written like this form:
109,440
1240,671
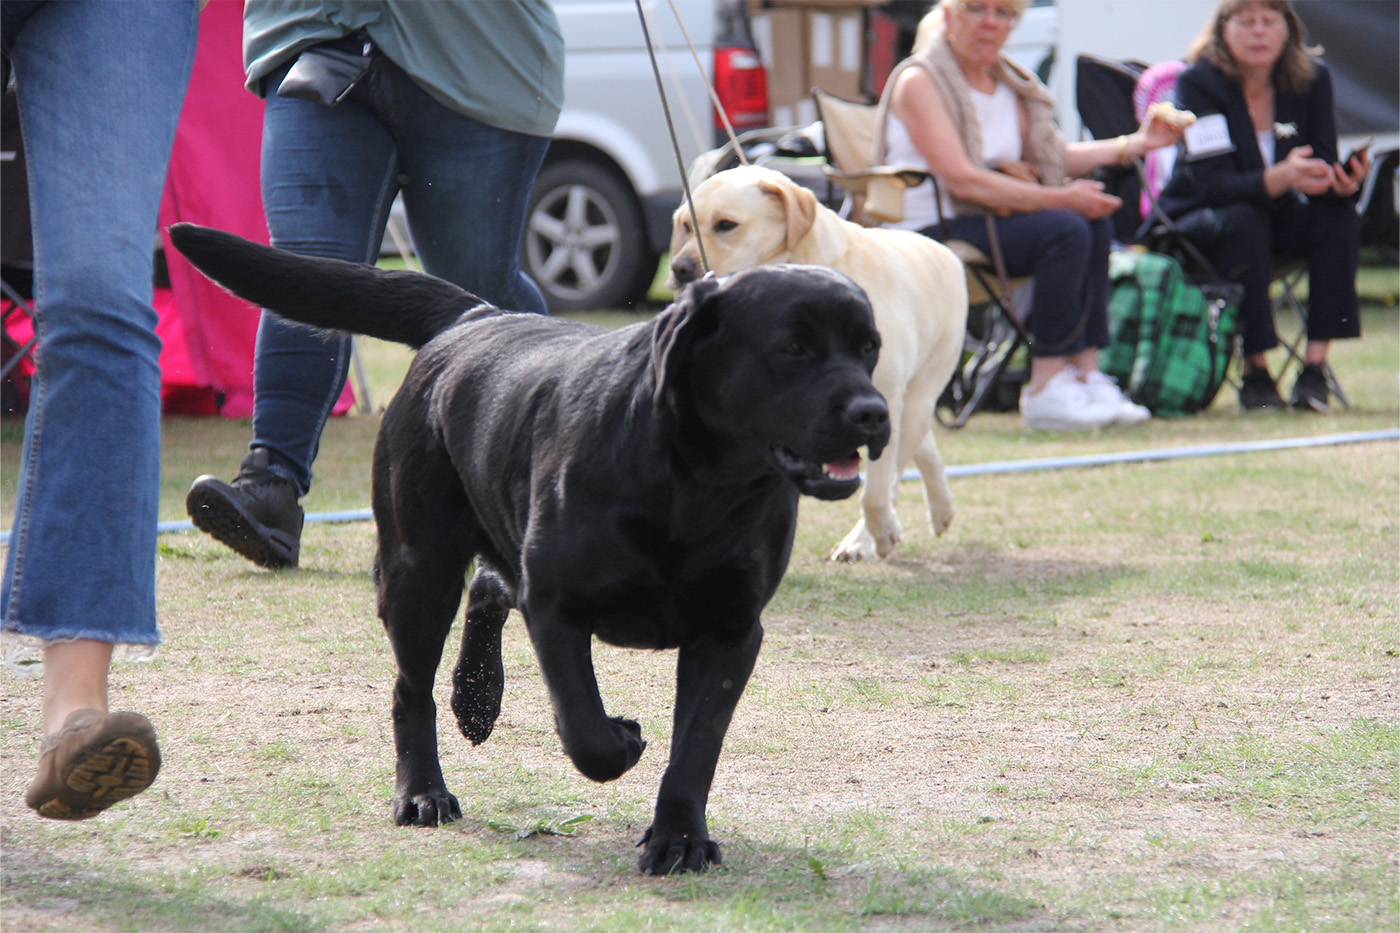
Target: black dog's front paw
608,754
428,809
673,854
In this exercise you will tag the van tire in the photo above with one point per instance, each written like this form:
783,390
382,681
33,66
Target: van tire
585,241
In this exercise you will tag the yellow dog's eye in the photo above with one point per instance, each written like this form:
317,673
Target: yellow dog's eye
724,226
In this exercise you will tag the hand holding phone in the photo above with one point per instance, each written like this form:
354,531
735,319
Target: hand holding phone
1346,181
1364,145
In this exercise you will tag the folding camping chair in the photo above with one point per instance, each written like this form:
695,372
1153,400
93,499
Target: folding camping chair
995,330
1112,96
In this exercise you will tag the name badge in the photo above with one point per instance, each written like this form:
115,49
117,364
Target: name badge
1208,136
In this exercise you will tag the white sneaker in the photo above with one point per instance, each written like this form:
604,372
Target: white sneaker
1064,404
1104,389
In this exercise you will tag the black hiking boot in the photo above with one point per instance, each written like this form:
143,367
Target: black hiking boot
1258,392
257,514
1310,391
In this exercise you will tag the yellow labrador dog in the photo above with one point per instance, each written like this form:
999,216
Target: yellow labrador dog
753,215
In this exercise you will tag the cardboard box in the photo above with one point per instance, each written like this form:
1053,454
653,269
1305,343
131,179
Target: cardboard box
806,44
782,45
836,51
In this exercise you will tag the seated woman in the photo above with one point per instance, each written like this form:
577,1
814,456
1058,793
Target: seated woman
985,128
1259,180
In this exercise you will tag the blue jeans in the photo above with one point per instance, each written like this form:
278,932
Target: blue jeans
100,87
329,176
1068,256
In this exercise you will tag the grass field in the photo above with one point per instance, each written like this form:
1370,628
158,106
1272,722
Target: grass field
1147,696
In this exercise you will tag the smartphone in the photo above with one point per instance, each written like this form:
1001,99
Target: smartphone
1360,148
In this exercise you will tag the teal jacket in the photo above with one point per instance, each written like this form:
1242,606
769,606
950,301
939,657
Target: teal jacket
500,63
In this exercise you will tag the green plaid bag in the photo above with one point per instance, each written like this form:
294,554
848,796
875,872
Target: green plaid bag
1171,341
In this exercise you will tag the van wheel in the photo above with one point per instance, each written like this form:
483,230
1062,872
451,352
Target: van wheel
585,241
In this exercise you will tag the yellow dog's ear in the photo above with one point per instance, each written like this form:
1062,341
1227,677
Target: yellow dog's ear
799,204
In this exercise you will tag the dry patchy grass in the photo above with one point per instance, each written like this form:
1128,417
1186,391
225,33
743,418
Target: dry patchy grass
1143,697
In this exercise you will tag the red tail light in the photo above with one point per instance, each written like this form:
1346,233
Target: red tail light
742,85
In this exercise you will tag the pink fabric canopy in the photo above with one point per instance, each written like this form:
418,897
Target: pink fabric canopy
208,334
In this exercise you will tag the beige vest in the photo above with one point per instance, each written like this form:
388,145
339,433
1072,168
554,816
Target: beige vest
1042,144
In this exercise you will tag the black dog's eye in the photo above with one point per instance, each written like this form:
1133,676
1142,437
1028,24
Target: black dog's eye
724,226
795,348
871,346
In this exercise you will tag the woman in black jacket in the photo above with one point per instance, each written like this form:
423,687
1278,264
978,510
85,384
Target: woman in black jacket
1259,179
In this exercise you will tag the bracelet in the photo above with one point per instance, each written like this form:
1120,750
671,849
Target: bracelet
1123,151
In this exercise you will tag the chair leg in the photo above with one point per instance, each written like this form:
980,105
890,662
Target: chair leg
1335,387
357,368
1295,348
984,361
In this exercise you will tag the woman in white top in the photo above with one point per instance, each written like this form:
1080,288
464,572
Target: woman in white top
985,128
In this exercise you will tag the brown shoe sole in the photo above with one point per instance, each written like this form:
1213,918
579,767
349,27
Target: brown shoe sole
116,761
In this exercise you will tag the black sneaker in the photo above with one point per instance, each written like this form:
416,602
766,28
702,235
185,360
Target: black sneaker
257,514
1258,392
1310,391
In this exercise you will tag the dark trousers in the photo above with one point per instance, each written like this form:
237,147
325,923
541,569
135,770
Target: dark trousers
1068,256
1245,240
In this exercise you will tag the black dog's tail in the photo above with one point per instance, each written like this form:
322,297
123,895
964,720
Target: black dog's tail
402,306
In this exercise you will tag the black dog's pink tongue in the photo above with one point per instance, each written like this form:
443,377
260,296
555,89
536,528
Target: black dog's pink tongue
843,469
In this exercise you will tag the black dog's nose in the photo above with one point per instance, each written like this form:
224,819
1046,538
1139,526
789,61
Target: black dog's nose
872,416
685,269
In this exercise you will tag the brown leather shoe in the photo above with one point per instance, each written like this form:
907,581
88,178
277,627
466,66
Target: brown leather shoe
96,759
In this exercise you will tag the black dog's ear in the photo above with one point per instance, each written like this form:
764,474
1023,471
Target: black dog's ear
675,333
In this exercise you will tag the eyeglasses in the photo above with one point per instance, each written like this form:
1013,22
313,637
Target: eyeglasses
975,9
1251,21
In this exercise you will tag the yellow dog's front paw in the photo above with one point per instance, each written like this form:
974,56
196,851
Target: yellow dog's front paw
856,546
864,544
940,519
885,531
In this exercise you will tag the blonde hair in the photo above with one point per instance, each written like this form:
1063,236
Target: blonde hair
1295,68
933,23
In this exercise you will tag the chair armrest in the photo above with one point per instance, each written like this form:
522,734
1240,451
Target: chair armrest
858,182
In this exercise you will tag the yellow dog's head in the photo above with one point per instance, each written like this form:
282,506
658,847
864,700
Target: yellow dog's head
746,217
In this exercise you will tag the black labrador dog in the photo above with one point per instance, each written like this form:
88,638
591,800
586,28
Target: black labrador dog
638,485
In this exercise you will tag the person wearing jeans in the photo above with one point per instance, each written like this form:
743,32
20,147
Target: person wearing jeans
454,109
100,86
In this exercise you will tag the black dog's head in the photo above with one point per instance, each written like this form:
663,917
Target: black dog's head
769,369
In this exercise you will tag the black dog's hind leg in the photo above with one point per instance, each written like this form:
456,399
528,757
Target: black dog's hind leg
426,536
479,678
709,681
417,605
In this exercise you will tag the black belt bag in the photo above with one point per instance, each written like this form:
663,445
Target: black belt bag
327,72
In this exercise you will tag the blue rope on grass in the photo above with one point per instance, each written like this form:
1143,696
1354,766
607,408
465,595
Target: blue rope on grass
1165,453
987,469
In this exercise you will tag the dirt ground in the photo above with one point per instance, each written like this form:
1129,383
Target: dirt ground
1075,754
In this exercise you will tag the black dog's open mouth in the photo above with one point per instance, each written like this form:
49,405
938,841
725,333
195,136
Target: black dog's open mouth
836,479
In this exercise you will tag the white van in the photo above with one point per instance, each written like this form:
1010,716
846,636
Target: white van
600,212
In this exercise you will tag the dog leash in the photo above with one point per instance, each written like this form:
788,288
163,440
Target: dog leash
670,123
709,87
